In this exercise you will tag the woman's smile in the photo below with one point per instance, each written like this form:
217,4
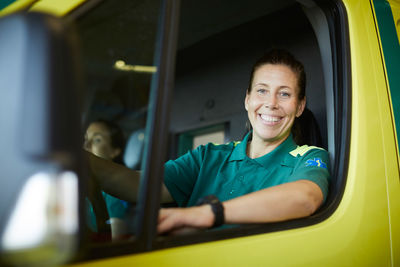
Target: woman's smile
270,120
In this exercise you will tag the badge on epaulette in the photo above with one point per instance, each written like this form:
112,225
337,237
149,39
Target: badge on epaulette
316,162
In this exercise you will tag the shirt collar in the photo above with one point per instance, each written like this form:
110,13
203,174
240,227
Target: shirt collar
273,157
279,155
239,152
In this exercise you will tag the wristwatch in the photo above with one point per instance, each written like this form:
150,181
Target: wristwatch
216,207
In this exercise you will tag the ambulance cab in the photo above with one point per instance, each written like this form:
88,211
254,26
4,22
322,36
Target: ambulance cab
173,75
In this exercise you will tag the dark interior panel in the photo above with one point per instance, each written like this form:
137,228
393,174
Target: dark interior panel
216,70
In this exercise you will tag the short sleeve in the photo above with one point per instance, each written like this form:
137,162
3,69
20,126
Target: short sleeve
117,208
314,166
180,175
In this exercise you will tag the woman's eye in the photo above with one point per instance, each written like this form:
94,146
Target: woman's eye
261,91
284,94
96,140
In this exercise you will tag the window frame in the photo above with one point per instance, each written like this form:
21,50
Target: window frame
157,130
336,16
157,126
162,86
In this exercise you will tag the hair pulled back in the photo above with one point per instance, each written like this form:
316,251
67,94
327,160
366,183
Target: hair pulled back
282,57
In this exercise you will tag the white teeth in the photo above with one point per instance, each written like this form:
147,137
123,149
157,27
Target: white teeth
269,118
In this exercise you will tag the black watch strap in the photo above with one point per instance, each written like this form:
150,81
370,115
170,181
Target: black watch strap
216,207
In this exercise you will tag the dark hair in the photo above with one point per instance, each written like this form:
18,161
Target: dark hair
282,57
117,137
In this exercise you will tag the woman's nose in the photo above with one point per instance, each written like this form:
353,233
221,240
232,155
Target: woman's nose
271,102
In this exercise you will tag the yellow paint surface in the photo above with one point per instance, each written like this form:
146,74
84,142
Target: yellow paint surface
56,7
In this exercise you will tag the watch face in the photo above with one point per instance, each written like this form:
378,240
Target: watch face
214,200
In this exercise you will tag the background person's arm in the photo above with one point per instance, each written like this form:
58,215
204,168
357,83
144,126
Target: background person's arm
118,180
278,203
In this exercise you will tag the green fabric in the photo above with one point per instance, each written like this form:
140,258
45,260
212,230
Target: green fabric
227,172
90,217
391,52
116,208
5,3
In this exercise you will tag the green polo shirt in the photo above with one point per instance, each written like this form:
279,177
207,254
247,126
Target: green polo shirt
117,208
227,172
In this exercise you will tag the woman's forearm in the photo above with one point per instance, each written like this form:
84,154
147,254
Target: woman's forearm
283,202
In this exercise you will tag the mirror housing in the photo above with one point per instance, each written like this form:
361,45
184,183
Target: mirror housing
41,140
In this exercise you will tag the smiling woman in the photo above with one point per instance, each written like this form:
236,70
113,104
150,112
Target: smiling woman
231,173
275,97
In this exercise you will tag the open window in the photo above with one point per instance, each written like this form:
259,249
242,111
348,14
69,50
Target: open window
130,70
213,66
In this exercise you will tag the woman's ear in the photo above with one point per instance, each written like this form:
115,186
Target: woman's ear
246,102
300,107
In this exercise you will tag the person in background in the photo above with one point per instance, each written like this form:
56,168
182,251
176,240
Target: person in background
105,139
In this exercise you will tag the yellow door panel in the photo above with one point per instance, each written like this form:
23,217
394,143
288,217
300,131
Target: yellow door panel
56,7
387,21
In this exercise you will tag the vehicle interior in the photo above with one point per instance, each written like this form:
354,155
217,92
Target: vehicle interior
213,61
212,64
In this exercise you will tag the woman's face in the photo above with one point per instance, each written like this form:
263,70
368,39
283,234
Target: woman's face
273,104
98,141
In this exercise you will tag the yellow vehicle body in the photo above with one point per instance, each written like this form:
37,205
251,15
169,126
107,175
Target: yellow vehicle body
57,8
364,230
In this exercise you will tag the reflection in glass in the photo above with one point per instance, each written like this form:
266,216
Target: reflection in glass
118,43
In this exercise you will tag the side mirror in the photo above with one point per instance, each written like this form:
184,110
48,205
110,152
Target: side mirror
40,141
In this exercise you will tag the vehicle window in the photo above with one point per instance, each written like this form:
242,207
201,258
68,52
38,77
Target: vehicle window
216,137
216,68
191,139
213,66
211,77
118,47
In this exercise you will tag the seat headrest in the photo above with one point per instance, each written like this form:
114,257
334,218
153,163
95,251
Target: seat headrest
134,150
306,130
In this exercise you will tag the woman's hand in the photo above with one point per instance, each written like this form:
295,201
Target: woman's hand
180,219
